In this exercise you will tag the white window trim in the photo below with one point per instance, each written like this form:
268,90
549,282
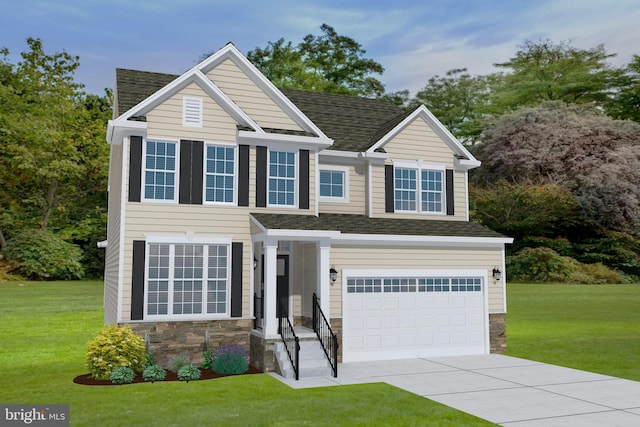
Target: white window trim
181,239
345,184
234,202
176,182
420,166
190,117
296,178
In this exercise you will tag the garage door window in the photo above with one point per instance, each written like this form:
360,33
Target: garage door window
413,284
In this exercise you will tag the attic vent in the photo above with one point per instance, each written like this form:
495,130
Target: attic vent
192,112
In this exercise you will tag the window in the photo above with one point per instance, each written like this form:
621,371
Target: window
334,184
188,280
405,189
192,112
413,284
429,197
282,178
219,174
160,171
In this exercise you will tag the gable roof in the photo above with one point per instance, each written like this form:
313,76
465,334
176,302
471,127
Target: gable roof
354,123
351,123
134,86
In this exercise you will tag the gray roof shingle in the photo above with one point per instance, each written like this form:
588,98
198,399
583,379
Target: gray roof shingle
354,123
361,224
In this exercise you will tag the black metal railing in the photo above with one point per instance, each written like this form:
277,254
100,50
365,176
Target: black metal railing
328,339
258,310
290,340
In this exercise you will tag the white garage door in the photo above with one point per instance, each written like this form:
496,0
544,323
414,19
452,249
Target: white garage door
396,317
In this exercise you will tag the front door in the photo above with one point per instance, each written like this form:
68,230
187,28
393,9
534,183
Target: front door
282,285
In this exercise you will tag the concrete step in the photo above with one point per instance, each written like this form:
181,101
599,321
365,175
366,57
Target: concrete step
313,362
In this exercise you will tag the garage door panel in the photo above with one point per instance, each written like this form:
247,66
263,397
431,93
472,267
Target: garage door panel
413,322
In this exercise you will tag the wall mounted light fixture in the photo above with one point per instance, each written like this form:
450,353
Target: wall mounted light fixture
497,274
333,273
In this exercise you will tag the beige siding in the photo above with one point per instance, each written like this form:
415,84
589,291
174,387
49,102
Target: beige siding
112,254
418,141
459,197
398,258
177,219
249,97
166,119
357,194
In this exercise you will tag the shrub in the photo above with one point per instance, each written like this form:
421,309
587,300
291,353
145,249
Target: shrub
188,372
230,359
178,362
599,273
154,373
41,254
112,348
207,363
540,264
122,375
149,360
543,264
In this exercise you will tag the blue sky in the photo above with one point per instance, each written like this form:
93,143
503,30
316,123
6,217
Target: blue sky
413,39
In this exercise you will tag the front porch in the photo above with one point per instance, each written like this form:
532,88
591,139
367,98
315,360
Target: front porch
292,284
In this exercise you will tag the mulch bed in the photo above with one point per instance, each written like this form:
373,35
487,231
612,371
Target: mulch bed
205,374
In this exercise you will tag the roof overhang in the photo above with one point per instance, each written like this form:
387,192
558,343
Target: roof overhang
253,138
118,129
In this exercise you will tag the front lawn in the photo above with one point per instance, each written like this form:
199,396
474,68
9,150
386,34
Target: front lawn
591,327
45,328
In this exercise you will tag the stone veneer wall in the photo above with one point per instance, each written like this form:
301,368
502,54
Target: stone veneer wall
166,340
262,354
497,333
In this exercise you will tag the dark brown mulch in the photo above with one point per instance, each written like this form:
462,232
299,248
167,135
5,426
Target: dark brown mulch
205,374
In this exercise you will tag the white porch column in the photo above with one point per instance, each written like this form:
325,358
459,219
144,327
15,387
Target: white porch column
324,281
270,287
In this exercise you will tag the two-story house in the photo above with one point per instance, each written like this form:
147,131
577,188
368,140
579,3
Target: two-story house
232,202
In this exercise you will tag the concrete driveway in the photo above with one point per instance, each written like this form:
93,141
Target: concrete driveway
502,389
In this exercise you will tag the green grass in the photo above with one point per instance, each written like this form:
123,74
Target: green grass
590,327
45,328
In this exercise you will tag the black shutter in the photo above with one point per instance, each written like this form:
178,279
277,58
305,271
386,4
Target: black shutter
389,205
197,166
184,195
236,279
243,175
135,168
190,187
261,177
303,181
137,280
449,189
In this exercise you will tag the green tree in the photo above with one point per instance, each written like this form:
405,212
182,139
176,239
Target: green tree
522,210
544,71
325,63
625,101
460,101
54,158
573,146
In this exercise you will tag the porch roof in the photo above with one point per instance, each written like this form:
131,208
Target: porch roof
362,224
